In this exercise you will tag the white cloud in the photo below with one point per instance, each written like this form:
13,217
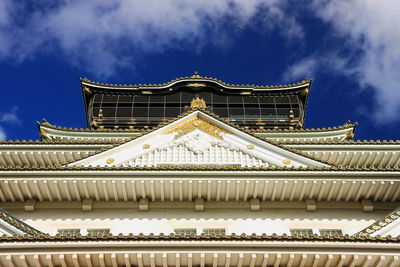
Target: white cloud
102,35
10,116
307,67
2,134
371,32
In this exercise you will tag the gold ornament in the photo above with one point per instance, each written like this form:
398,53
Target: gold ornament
110,160
200,124
286,161
146,146
196,84
198,103
250,147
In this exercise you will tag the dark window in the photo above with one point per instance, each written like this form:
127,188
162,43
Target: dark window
124,112
173,98
125,99
140,112
110,99
187,97
108,112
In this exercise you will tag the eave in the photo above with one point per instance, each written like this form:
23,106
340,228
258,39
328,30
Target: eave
218,184
166,250
354,154
192,79
53,132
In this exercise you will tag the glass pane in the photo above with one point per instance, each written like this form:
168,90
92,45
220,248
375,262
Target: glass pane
235,99
266,99
157,99
236,113
125,99
173,98
141,99
140,112
331,232
98,98
156,112
252,112
217,231
96,111
294,99
110,98
219,99
206,96
185,231
223,112
187,97
250,100
301,232
172,112
68,231
96,232
282,99
124,112
108,112
268,113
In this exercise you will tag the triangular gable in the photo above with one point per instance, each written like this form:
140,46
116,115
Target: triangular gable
199,138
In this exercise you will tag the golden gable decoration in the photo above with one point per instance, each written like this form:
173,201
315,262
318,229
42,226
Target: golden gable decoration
198,103
200,124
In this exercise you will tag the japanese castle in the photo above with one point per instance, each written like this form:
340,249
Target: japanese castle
197,172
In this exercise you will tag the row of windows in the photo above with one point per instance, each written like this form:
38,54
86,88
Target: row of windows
328,232
167,106
186,97
164,112
207,231
75,231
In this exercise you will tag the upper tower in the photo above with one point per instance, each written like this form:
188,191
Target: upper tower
142,106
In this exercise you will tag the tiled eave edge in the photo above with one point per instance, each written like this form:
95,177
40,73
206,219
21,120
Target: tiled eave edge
18,224
382,223
133,131
172,237
336,143
56,142
206,169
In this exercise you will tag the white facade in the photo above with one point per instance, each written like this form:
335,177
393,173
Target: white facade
198,191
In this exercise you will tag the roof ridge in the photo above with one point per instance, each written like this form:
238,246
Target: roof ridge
197,78
17,223
379,224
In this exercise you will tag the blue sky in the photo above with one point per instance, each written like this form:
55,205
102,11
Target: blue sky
350,48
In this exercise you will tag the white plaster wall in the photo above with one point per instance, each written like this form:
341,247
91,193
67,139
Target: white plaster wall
238,221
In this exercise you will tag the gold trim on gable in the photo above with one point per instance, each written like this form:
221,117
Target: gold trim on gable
200,124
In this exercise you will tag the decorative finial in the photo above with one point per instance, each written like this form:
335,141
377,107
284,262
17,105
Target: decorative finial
198,103
196,75
45,122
